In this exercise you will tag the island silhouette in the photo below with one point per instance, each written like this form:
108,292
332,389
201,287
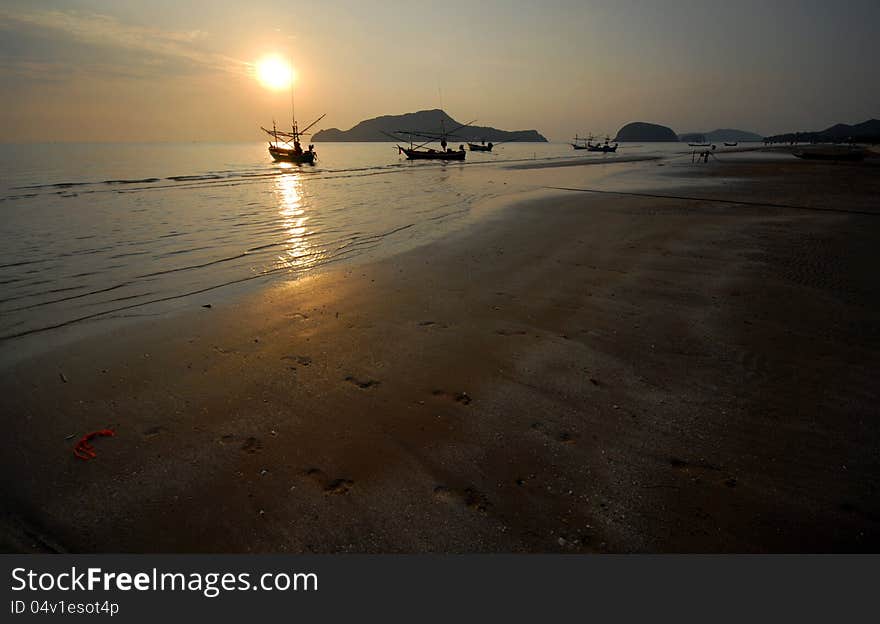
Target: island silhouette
431,121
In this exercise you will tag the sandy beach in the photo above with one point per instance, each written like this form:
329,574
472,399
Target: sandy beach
582,372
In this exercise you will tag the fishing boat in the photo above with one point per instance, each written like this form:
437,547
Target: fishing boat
605,148
726,144
481,147
587,144
420,152
580,143
287,146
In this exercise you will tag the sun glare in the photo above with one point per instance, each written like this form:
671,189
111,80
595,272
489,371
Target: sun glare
274,72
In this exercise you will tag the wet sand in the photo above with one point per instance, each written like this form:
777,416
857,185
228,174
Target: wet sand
581,373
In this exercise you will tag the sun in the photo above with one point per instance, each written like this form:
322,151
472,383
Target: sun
274,72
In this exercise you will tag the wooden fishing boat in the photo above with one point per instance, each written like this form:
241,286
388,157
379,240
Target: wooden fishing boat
580,143
287,147
606,148
587,144
432,154
481,147
420,152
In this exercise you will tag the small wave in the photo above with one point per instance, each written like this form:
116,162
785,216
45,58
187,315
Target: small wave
188,178
141,181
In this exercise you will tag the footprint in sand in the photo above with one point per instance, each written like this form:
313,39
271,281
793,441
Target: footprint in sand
152,432
433,324
468,497
302,360
330,487
252,445
458,397
368,383
511,332
694,468
563,437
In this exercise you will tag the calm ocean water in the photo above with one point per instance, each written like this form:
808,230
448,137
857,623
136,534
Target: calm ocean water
100,231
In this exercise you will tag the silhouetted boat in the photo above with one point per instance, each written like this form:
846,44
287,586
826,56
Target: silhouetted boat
419,152
605,148
581,143
481,147
286,146
432,154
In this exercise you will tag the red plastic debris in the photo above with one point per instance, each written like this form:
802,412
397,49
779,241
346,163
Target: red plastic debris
85,451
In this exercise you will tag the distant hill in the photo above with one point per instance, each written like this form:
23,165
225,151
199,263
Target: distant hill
870,128
865,132
426,121
647,132
719,136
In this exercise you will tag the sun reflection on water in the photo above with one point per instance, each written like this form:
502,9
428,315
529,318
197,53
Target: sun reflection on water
294,215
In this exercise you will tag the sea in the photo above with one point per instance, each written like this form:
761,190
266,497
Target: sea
92,233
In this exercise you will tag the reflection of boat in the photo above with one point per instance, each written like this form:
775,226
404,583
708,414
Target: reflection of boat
286,145
420,152
481,147
849,155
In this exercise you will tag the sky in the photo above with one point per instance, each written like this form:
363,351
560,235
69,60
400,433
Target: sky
173,70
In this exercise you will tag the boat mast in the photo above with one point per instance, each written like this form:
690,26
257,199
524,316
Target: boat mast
292,109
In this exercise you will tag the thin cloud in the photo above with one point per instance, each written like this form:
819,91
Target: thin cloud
105,30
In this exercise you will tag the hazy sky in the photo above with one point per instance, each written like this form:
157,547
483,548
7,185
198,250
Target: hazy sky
166,70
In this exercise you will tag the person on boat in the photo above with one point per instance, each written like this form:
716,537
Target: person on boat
297,148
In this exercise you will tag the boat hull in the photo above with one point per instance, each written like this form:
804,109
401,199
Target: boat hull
413,154
279,154
474,147
606,149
